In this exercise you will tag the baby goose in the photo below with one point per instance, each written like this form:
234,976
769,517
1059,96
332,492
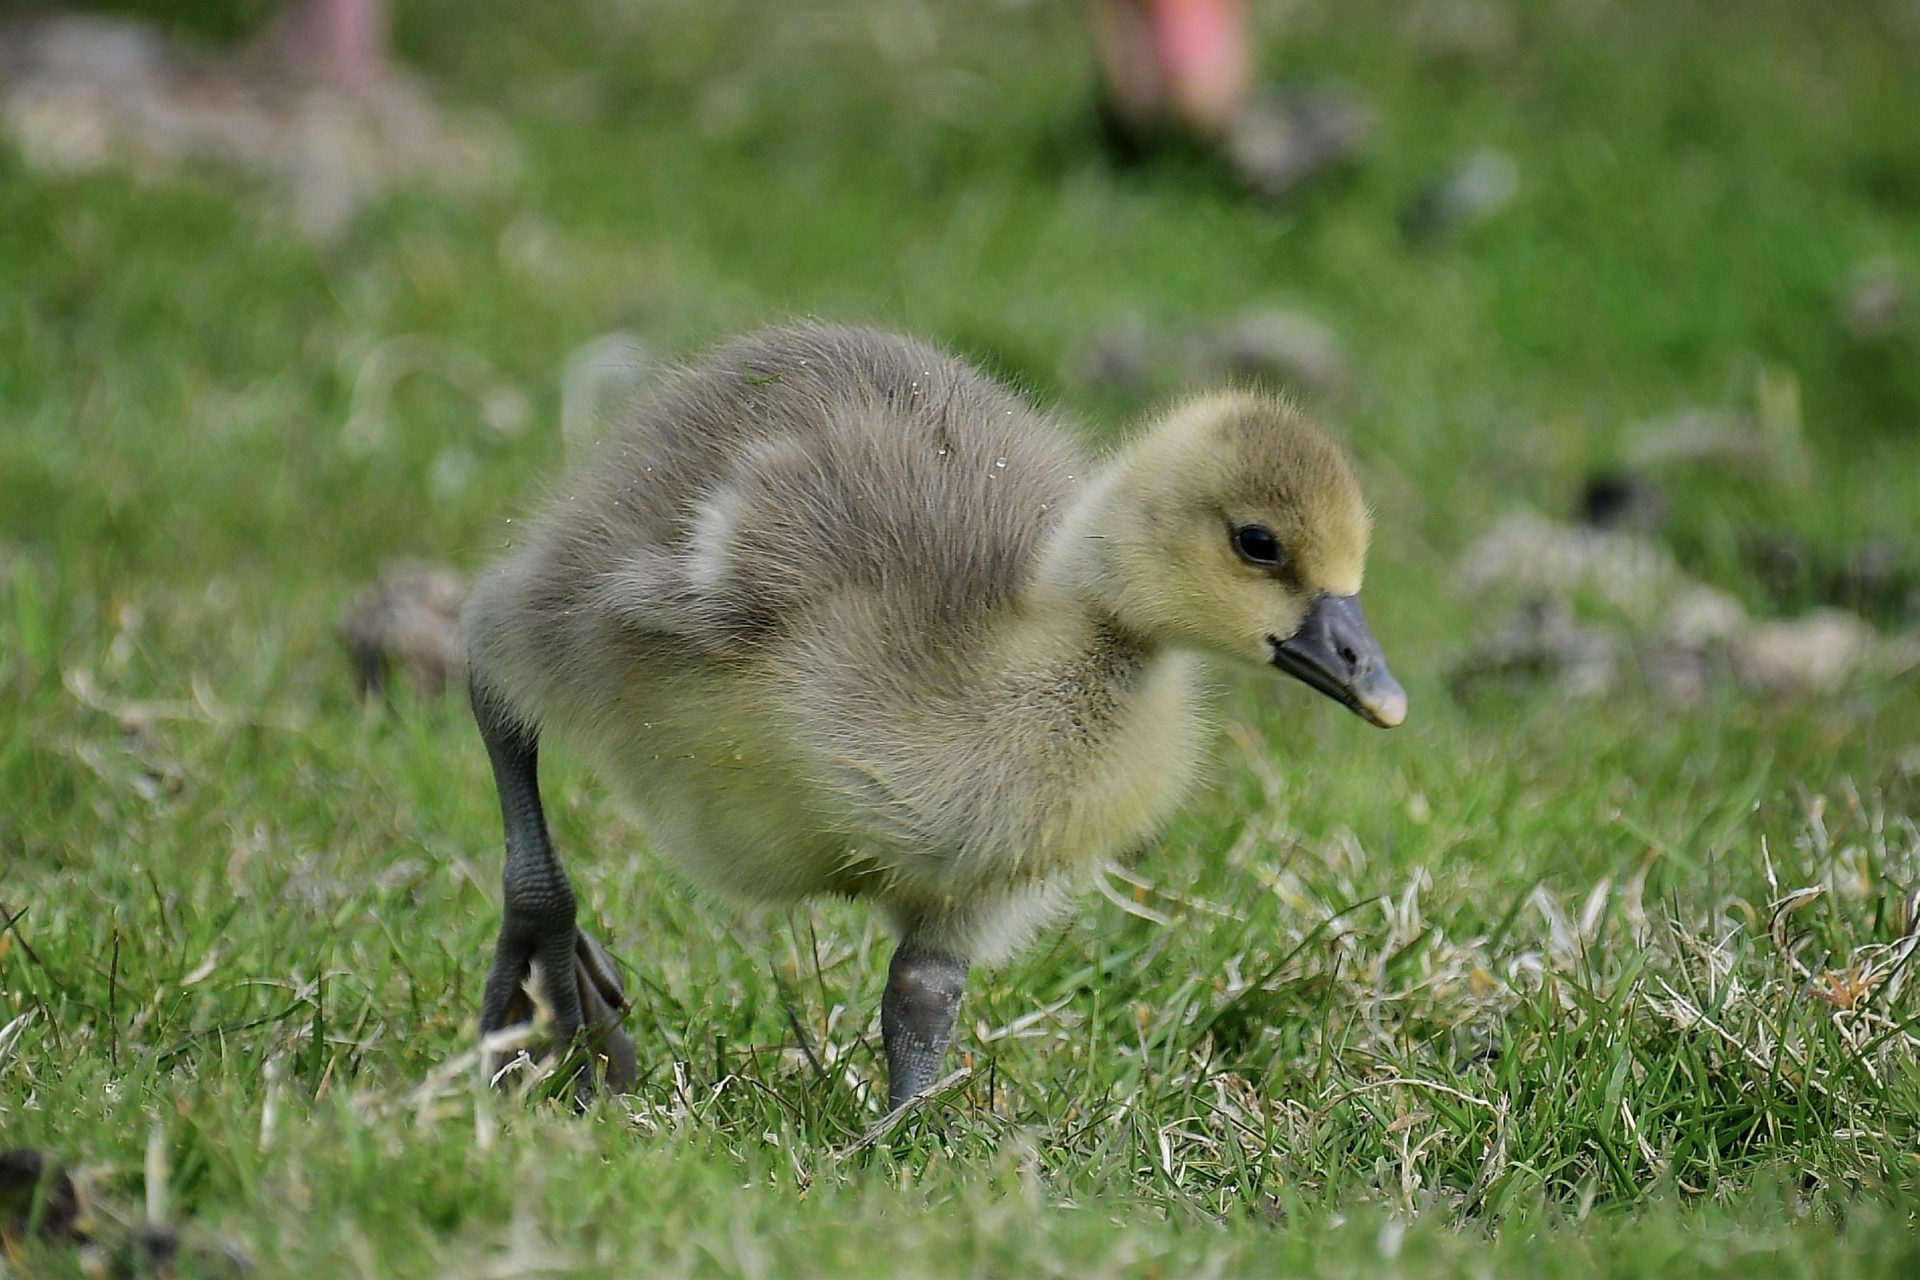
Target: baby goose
835,612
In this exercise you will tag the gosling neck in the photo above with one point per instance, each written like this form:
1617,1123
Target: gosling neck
1077,575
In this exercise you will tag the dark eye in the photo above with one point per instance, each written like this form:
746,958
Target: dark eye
1257,545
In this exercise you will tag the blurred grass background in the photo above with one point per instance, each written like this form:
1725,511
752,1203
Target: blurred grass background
256,916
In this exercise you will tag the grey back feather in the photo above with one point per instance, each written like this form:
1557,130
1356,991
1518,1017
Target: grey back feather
799,465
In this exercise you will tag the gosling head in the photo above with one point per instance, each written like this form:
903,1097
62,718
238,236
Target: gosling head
1235,527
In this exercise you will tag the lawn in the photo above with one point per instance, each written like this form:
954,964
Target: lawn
1535,985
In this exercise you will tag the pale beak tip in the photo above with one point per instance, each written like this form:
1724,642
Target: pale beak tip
1386,707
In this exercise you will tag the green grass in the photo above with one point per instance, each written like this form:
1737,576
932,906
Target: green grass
1508,991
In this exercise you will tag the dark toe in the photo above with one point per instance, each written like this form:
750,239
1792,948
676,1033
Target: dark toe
616,1063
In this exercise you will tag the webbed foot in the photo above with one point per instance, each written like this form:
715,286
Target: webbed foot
583,1008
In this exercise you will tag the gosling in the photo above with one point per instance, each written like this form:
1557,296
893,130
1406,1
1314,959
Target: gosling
835,612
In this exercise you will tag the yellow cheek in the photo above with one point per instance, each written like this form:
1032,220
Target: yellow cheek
1275,620
1287,619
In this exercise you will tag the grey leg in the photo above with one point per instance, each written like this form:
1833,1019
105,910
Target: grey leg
917,1014
538,939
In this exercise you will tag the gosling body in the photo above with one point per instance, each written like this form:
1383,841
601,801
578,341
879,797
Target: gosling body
789,608
837,613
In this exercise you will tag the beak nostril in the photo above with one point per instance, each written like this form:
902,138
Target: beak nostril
1349,657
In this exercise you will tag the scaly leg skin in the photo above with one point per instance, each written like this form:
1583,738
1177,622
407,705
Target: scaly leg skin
917,1014
539,942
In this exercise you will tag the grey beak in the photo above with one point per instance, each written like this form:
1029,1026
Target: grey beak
1335,652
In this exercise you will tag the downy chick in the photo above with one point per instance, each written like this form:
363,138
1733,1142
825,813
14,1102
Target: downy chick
837,613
